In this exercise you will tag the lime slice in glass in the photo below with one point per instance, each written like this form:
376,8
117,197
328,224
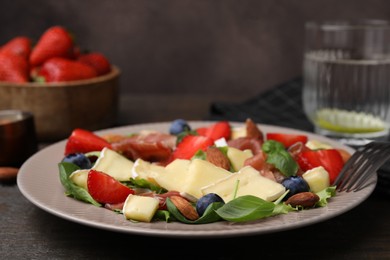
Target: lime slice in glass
344,121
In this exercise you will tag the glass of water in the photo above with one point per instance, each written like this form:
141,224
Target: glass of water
346,92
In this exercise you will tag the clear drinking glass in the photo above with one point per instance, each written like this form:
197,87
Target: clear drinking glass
346,91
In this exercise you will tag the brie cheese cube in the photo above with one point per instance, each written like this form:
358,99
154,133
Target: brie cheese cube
80,177
248,181
114,164
316,145
238,132
190,176
175,175
200,174
146,170
238,157
221,142
140,208
317,178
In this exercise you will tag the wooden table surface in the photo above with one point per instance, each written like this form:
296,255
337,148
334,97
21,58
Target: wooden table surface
28,232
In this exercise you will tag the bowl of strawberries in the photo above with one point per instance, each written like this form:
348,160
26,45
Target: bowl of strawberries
62,86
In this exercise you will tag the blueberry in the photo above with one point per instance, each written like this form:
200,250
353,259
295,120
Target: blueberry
79,159
178,126
205,201
295,184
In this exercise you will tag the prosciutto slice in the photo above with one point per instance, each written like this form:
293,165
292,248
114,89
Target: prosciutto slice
243,143
149,146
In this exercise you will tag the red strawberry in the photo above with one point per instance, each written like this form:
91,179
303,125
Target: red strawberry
84,141
190,144
330,159
61,69
217,130
105,189
287,139
201,130
54,42
75,53
19,45
96,60
13,68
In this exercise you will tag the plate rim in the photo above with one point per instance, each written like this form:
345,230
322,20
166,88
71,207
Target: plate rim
30,190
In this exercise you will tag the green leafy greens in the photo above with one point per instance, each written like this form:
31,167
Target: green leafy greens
71,189
280,158
246,208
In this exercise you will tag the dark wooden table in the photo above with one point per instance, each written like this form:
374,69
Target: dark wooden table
27,232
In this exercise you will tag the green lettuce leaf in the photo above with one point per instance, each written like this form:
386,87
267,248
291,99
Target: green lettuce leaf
324,195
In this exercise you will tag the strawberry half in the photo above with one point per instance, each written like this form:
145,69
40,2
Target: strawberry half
287,139
105,189
190,144
216,131
84,141
330,159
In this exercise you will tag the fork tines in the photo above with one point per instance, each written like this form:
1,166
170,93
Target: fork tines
364,163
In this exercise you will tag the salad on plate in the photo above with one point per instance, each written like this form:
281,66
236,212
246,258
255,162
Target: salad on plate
201,175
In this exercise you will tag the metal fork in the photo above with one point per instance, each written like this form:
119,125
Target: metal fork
364,162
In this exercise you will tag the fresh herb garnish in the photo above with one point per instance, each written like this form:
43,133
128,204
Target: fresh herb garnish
246,208
280,158
71,189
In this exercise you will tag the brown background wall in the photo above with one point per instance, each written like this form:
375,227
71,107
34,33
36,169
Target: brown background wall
219,47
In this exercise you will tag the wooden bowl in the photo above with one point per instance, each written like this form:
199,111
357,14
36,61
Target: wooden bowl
58,108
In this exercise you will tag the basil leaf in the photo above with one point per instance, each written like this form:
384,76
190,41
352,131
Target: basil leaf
280,158
246,208
72,189
271,146
183,134
143,183
200,154
209,216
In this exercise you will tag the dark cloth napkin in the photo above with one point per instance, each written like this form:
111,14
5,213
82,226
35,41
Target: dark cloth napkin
280,106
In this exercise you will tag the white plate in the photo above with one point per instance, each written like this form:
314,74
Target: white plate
38,180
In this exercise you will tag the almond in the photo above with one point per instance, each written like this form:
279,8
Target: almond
216,157
185,207
303,199
252,131
8,174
